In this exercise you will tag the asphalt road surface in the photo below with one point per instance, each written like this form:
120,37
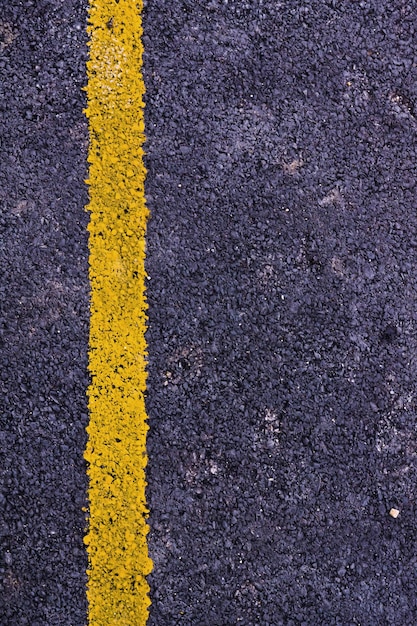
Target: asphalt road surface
43,312
282,263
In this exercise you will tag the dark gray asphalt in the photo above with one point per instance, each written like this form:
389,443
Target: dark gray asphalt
43,313
282,255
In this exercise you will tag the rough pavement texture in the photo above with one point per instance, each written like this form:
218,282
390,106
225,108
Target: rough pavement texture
43,313
282,256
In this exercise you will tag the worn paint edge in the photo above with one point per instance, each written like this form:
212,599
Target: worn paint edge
117,588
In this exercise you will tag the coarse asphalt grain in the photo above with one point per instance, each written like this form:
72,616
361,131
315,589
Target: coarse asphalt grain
282,256
44,309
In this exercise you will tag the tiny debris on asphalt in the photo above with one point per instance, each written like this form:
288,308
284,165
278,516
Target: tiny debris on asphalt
282,254
282,263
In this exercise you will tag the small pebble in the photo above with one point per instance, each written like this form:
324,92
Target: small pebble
394,513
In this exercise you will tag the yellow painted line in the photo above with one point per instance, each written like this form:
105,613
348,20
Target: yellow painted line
116,450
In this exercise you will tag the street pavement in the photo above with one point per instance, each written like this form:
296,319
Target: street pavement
281,261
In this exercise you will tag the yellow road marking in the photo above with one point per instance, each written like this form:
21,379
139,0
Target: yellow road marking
116,450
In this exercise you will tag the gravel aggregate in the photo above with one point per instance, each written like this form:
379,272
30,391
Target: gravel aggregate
43,313
282,278
282,257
